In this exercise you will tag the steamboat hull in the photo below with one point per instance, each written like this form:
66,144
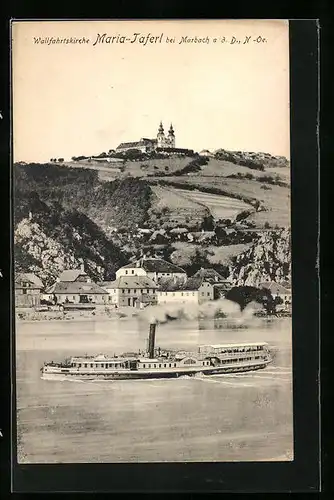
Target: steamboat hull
54,374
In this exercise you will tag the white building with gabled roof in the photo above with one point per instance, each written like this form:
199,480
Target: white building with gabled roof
133,291
152,268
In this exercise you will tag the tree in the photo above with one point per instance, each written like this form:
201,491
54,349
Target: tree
208,223
244,295
60,160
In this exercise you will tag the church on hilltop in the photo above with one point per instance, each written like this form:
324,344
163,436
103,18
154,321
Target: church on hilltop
163,143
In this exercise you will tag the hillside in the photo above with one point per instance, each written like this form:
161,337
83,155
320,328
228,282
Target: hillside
223,163
269,203
269,259
49,238
63,216
252,160
109,204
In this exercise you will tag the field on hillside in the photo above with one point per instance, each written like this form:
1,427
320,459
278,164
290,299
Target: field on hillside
283,172
222,168
276,199
221,207
223,255
145,167
184,252
174,199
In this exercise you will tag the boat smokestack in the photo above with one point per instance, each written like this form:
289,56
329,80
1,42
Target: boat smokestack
151,340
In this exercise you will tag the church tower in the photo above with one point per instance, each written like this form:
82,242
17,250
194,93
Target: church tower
161,137
171,137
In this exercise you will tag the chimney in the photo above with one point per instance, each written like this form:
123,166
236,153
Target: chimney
151,340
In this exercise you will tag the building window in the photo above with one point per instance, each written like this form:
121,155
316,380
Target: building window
182,294
132,271
165,365
173,294
91,365
126,272
141,291
208,294
174,364
144,366
129,291
165,293
149,366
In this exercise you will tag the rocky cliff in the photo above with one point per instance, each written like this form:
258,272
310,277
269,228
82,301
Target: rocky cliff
269,259
50,239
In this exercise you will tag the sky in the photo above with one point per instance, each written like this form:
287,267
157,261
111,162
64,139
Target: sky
84,99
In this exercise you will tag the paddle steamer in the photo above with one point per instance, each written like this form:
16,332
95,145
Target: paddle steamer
155,363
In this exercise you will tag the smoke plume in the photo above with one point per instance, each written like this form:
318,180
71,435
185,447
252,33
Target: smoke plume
208,310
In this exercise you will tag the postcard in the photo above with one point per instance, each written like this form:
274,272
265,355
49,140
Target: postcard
152,241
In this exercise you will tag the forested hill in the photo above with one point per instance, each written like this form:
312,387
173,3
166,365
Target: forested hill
52,238
124,202
63,216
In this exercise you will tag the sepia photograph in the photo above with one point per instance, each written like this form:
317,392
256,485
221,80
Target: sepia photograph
152,241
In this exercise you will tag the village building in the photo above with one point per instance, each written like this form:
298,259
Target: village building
153,268
74,286
278,290
206,153
28,289
209,274
133,291
192,291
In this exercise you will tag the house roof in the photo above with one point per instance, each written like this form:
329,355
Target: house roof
274,287
29,277
74,287
71,274
208,273
142,142
153,265
171,285
130,282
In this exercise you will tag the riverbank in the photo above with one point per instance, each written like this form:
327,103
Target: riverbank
104,314
107,314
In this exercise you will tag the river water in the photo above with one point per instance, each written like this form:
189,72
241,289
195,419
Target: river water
232,417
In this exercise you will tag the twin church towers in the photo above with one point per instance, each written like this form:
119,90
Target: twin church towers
164,141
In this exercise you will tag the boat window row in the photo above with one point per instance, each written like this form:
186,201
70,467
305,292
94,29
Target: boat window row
97,365
242,349
159,365
235,360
